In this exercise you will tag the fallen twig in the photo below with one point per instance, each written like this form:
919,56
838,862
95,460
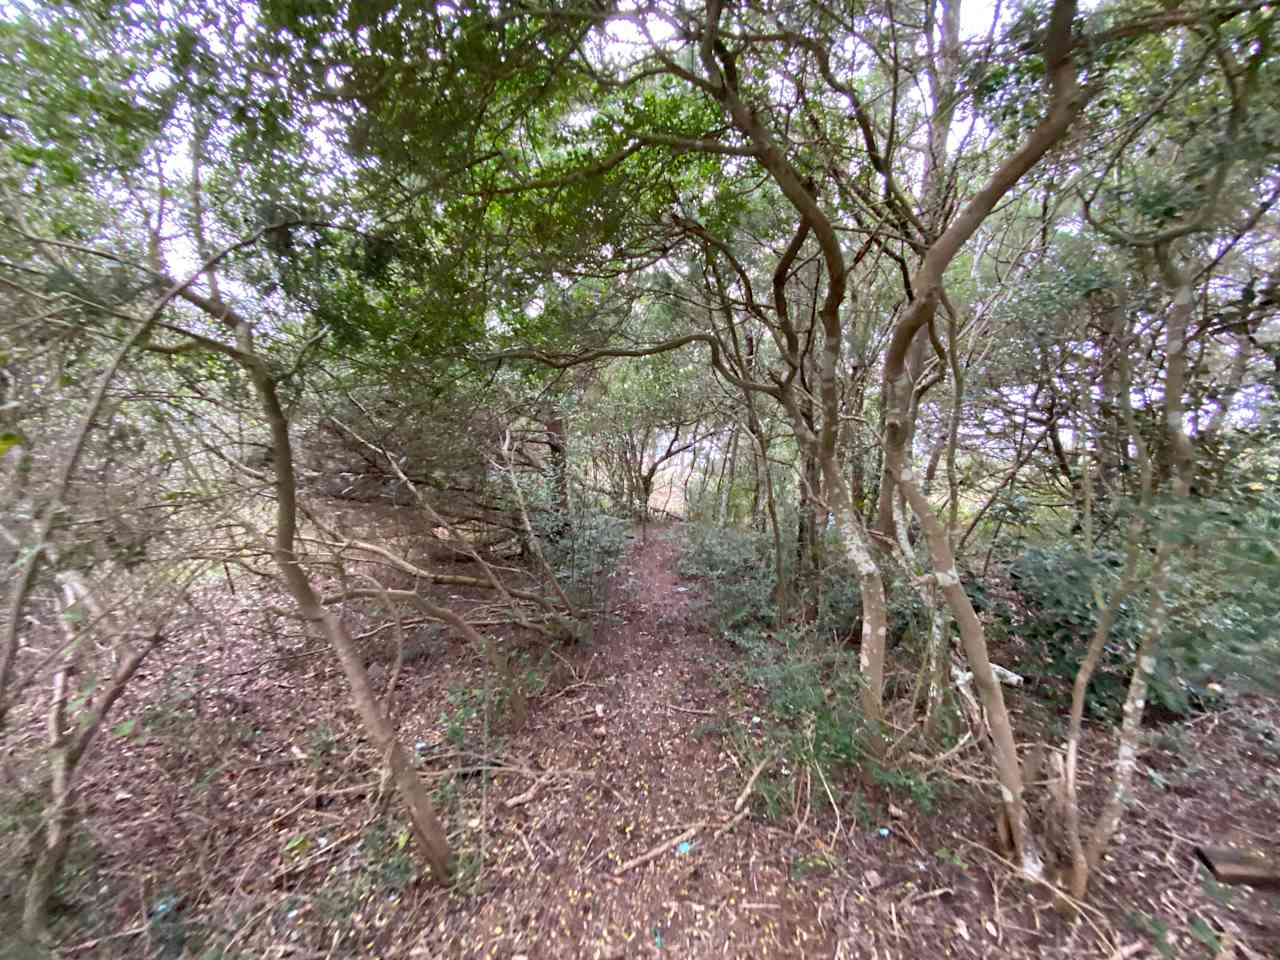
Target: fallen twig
320,856
700,713
660,849
733,822
592,862
1085,910
933,763
563,690
751,782
1132,950
521,798
98,941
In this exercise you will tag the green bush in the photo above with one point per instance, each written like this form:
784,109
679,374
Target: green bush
736,568
1059,614
812,714
813,690
1224,593
839,605
1222,598
583,550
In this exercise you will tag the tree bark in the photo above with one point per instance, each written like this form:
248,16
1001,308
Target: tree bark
927,282
722,76
557,442
67,748
725,487
429,832
973,638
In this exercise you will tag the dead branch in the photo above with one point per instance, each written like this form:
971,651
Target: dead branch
751,782
534,544
660,849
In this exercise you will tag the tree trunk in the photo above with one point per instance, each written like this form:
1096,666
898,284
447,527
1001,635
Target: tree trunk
973,638
763,471
558,459
808,544
430,834
927,281
1179,459
875,615
67,749
725,487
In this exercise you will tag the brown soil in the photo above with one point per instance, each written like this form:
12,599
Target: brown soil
247,823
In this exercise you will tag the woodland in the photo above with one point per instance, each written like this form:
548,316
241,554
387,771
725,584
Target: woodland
614,478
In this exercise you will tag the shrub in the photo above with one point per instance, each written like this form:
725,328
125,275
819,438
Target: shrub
814,720
1058,618
1224,594
1217,625
736,568
839,605
584,552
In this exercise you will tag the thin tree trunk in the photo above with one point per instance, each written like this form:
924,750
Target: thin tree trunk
808,544
802,197
1126,760
771,505
973,638
725,487
558,444
534,543
67,748
708,469
1180,456
34,552
1080,862
688,478
875,613
429,832
937,660
198,136
927,282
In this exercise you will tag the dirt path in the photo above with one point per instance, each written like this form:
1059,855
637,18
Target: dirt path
247,797
642,722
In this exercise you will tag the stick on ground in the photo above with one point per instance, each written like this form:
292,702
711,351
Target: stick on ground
660,849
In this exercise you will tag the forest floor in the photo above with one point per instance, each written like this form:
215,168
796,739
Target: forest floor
237,814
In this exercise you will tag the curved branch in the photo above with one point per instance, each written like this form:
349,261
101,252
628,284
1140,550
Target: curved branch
25,579
562,361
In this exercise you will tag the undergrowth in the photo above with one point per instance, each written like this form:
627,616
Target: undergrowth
584,549
737,579
806,677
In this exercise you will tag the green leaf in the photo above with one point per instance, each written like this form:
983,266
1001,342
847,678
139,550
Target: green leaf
1201,930
124,728
9,440
297,845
